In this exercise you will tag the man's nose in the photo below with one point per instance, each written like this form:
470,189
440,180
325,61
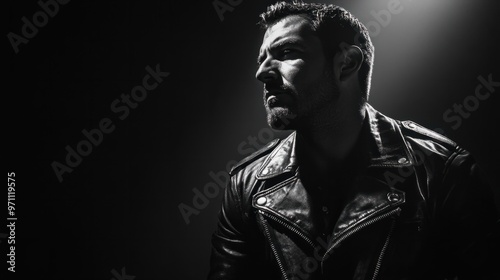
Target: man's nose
267,72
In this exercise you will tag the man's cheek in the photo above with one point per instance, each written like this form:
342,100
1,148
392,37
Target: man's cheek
292,73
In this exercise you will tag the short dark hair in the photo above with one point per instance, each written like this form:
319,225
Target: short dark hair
334,25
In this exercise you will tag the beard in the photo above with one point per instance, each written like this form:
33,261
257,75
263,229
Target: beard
281,118
304,105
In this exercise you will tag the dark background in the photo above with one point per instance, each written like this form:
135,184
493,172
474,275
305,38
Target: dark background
119,207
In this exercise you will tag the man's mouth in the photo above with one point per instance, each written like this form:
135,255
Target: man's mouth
272,101
273,98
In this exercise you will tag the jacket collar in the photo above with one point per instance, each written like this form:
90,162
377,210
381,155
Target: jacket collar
389,149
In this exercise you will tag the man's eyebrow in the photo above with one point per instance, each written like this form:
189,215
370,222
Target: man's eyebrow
284,42
280,44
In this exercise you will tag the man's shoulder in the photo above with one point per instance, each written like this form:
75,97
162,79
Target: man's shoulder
413,129
422,139
254,157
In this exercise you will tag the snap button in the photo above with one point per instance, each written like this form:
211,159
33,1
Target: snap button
324,208
402,160
411,125
393,197
261,200
265,171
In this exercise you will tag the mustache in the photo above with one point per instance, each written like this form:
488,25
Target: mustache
281,88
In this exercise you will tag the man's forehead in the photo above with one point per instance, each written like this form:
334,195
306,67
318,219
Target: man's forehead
290,26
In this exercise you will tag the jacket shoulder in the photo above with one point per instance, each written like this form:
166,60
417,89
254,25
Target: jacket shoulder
415,129
254,156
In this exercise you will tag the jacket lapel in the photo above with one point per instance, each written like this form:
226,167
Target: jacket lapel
286,199
281,160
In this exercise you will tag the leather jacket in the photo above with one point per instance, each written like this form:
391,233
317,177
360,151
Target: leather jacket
417,209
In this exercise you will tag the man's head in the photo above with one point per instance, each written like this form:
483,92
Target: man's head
313,57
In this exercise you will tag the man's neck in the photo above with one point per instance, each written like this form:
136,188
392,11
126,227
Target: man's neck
326,145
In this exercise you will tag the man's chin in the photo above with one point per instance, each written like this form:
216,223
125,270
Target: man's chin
280,118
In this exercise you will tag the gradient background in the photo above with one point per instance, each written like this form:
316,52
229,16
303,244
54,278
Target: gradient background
119,207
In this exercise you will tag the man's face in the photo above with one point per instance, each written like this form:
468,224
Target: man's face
298,80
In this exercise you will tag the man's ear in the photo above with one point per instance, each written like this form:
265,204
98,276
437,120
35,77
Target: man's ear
348,61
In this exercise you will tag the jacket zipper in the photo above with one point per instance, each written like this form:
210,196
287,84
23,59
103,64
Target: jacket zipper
357,228
273,248
293,229
382,252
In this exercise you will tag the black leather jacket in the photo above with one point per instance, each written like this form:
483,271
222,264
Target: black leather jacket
417,209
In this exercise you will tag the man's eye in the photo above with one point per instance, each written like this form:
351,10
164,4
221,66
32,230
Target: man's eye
288,54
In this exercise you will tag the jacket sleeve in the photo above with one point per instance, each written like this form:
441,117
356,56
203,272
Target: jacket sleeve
230,257
469,221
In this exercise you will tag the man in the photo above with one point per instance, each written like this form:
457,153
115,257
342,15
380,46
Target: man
351,193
